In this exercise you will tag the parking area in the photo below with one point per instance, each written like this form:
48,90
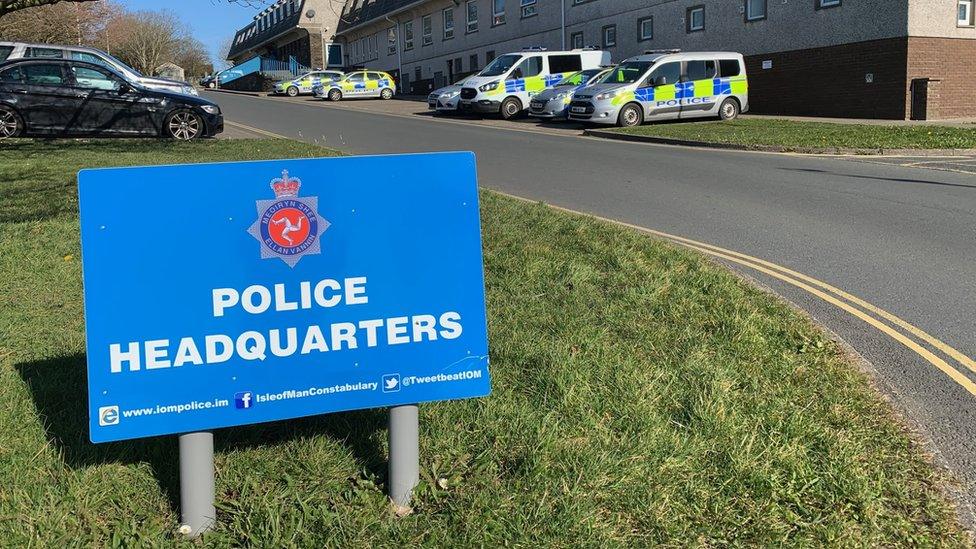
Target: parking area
417,108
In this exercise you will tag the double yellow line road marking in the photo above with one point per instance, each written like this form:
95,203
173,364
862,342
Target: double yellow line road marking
875,316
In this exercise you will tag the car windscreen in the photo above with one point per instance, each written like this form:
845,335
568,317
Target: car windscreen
579,78
5,52
120,66
501,65
627,73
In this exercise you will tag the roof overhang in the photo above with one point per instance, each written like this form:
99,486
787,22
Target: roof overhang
391,14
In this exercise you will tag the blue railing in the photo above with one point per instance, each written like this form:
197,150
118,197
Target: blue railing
263,64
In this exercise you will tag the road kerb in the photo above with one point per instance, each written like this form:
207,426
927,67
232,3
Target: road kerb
609,134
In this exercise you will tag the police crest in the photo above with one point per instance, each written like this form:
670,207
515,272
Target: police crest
288,227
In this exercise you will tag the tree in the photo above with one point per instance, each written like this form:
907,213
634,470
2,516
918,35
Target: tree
147,39
65,23
10,6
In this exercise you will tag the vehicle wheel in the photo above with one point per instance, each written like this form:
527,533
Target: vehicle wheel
292,91
729,109
11,124
184,125
387,93
335,95
630,115
211,85
511,108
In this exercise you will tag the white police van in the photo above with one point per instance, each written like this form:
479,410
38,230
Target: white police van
508,83
665,85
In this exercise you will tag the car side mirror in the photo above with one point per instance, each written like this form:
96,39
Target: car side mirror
659,81
124,88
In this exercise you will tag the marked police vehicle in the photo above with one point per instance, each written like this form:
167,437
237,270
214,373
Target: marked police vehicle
446,100
304,83
509,82
553,103
664,85
357,84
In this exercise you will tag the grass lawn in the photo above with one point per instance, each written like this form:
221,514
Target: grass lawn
799,135
642,397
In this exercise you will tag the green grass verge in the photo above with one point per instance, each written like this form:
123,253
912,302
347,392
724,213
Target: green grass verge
799,135
642,397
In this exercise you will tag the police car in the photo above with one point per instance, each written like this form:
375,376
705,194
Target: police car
553,103
665,85
508,83
446,99
358,84
305,82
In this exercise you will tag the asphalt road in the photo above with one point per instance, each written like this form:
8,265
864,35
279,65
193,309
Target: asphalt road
901,238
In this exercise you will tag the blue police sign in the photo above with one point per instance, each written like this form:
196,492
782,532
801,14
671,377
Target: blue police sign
238,293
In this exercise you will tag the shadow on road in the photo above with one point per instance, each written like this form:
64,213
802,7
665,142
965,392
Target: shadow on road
894,179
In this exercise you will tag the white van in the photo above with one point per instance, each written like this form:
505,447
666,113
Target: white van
665,85
508,83
20,50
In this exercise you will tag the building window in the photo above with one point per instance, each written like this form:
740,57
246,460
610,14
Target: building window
964,17
474,62
827,3
471,16
645,27
427,26
609,36
576,40
755,10
416,74
448,23
497,12
696,19
458,69
529,8
408,36
391,41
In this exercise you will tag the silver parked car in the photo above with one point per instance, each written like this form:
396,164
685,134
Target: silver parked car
553,103
446,99
20,50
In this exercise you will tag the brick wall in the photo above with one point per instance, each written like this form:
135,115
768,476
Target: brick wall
832,81
951,63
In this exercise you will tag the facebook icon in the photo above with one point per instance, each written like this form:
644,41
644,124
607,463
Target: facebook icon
243,401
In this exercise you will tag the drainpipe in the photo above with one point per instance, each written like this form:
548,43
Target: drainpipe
396,34
562,6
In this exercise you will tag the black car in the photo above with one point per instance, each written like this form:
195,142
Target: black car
48,97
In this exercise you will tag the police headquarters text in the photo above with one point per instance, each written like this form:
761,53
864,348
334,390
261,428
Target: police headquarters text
155,354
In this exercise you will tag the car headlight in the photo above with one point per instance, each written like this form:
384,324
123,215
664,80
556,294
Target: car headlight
452,95
211,109
605,95
489,86
190,90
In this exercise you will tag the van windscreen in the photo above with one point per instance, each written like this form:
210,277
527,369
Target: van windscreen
5,52
501,65
627,73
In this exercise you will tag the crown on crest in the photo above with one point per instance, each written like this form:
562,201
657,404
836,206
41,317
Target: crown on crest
285,186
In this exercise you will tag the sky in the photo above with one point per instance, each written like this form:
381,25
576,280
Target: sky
212,21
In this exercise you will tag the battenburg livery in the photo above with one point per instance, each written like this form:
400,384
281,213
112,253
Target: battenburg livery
288,227
508,84
357,84
665,86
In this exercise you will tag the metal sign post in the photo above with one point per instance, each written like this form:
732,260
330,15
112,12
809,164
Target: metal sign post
404,455
197,483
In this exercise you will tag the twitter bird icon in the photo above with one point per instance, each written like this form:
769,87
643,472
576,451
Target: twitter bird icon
391,383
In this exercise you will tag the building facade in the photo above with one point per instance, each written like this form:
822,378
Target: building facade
846,58
299,30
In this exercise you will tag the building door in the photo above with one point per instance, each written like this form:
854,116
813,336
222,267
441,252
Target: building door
450,71
920,98
333,55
